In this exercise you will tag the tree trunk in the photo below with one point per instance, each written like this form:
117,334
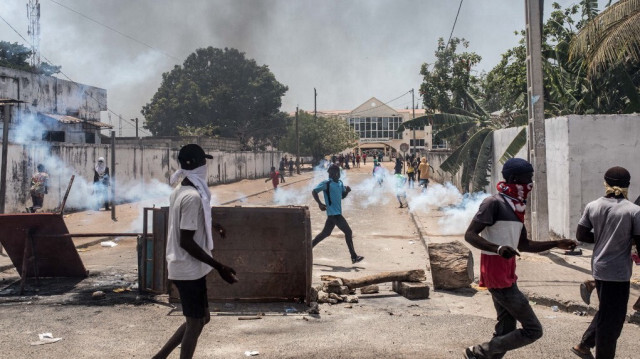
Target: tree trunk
451,265
416,275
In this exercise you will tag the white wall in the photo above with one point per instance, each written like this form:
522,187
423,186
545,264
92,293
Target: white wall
501,140
580,149
136,166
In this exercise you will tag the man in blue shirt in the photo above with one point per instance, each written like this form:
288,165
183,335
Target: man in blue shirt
334,192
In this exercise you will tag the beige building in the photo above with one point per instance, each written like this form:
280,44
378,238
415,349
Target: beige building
376,123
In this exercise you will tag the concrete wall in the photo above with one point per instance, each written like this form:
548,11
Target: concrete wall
136,167
579,151
501,140
48,94
435,159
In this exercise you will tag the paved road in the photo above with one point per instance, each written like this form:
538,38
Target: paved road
383,325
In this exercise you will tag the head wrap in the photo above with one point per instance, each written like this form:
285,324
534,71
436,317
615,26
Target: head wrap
516,166
101,167
616,181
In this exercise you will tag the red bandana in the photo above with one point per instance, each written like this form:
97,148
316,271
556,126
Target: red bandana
516,196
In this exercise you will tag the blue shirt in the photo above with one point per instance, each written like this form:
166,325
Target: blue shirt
334,207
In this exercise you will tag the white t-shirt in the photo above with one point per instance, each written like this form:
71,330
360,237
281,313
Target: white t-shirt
185,212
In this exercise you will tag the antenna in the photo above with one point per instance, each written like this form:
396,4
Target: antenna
33,14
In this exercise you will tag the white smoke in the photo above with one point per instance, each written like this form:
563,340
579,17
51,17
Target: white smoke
436,196
457,218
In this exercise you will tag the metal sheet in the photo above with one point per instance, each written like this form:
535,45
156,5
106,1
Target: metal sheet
55,257
270,249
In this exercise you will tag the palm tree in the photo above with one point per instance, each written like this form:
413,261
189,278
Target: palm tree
610,38
473,130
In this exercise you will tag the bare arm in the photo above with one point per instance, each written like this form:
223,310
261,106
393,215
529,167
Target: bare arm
190,246
584,234
525,245
347,189
320,204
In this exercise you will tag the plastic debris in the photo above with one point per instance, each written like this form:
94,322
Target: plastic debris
109,244
251,353
290,310
46,338
580,313
555,308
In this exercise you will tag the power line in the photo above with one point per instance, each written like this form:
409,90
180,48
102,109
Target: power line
68,78
115,30
454,24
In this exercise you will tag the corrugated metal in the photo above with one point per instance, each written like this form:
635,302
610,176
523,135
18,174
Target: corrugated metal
71,119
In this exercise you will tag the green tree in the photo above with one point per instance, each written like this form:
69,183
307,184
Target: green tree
446,81
318,137
16,56
221,88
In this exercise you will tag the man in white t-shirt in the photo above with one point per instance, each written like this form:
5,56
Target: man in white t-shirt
189,246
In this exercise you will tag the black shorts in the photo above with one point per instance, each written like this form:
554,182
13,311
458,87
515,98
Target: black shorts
193,296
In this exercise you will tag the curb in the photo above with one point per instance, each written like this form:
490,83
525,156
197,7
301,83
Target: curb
423,239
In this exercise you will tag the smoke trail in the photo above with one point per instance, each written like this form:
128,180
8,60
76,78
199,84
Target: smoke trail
436,196
456,219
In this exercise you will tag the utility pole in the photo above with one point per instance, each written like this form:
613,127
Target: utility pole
113,175
536,141
120,125
136,119
315,104
33,14
297,144
5,147
413,106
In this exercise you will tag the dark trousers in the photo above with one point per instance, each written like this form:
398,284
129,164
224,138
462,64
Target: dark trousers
512,307
332,222
606,326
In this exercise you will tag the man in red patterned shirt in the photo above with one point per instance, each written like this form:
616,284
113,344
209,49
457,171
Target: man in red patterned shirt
498,230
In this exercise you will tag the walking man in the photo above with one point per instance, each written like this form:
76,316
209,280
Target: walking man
616,225
498,230
39,187
334,192
423,174
189,246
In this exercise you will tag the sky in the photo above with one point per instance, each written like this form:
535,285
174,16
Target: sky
349,50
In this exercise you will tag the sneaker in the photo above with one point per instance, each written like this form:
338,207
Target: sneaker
586,288
469,354
357,259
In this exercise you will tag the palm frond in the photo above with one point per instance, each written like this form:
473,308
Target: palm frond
483,163
618,22
475,105
621,44
628,88
515,146
460,111
463,151
416,123
454,130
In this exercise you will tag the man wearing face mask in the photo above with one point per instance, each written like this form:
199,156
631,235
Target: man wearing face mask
498,230
334,192
189,246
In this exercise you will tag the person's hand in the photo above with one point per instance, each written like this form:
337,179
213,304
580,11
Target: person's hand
348,189
322,206
227,273
220,230
567,244
507,252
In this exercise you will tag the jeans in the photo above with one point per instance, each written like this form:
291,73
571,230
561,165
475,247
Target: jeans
512,307
332,222
606,326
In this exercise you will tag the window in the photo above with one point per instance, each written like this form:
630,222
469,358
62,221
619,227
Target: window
53,136
89,137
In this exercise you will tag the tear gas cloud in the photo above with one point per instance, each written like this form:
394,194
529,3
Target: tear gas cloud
381,189
83,192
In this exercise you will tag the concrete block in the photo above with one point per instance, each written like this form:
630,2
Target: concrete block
411,290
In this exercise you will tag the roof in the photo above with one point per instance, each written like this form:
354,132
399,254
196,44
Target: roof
71,119
9,101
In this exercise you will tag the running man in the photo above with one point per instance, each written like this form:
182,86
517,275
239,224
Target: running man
616,225
498,230
334,192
